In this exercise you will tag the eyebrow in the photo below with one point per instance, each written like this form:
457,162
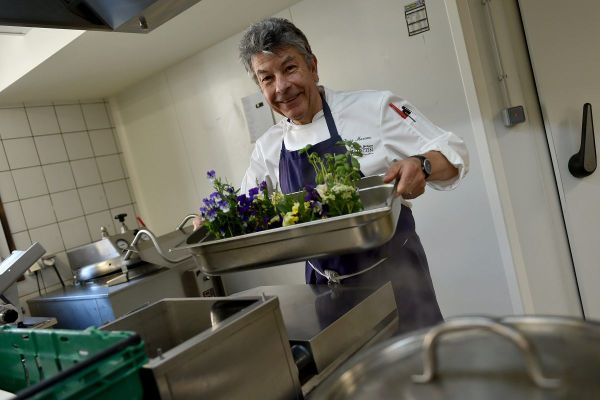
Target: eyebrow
285,61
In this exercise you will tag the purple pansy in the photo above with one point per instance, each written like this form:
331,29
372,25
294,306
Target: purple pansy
211,175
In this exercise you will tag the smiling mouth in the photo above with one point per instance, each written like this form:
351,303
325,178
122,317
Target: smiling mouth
289,100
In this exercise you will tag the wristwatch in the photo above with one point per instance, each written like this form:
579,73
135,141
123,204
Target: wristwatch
425,165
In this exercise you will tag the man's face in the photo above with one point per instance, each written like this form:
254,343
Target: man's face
288,83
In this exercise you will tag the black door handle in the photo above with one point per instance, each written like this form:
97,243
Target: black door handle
583,163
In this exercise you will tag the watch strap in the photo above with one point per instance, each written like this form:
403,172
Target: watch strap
423,160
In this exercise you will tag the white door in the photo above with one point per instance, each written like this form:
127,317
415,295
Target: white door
562,38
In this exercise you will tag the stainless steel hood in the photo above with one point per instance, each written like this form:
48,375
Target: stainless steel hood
137,16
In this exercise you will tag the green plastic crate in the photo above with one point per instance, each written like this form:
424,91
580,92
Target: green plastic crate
70,364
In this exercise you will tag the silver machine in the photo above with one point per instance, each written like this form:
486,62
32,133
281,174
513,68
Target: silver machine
121,273
11,269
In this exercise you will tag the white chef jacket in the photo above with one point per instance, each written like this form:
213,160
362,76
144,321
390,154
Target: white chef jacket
365,117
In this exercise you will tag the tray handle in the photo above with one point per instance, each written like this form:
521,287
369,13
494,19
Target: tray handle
133,247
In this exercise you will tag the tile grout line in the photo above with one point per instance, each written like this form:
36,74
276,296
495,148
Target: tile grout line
62,139
79,216
97,166
62,240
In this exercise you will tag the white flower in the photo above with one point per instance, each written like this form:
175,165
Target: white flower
322,190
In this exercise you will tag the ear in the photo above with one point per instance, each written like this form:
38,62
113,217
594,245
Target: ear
313,68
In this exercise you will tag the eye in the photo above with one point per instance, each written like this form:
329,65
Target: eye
291,68
266,78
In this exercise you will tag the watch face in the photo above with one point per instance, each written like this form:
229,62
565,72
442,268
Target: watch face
427,167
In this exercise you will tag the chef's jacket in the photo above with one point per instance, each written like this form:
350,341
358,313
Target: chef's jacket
385,134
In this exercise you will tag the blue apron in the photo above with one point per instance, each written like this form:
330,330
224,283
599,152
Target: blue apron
401,260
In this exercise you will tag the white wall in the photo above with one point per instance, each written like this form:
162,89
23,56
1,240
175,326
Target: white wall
22,53
359,45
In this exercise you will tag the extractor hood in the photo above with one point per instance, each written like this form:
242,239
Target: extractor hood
138,16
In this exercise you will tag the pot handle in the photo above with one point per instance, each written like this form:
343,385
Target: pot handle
464,324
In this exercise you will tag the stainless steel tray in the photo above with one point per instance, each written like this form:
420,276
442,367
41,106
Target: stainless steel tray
363,230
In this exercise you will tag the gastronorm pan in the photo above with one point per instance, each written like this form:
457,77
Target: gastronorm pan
371,227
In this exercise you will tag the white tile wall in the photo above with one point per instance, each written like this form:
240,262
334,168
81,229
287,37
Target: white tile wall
51,149
22,240
70,118
13,123
38,211
62,176
49,237
42,120
86,172
93,199
117,193
8,192
29,182
110,168
14,215
95,221
21,153
78,145
125,172
66,205
75,232
116,138
130,187
3,160
95,116
59,177
103,142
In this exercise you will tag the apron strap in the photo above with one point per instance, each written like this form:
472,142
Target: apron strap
333,132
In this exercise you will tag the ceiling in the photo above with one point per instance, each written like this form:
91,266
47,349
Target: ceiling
100,64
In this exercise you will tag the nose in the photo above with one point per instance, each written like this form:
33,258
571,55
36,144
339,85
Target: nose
281,84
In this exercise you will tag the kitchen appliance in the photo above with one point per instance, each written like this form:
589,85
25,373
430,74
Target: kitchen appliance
108,284
366,229
101,258
95,303
475,358
11,269
218,348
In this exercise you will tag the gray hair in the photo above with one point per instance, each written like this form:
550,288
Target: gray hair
270,35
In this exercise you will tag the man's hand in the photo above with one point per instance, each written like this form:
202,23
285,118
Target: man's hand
197,222
410,177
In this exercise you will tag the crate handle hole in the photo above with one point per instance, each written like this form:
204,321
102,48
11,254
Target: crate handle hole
64,339
26,337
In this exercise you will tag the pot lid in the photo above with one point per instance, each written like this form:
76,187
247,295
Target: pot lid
477,358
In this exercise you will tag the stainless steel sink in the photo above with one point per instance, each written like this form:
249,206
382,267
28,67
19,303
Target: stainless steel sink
216,348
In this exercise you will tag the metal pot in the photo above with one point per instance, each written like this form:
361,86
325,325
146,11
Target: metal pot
479,358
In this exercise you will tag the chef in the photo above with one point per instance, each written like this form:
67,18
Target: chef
396,139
